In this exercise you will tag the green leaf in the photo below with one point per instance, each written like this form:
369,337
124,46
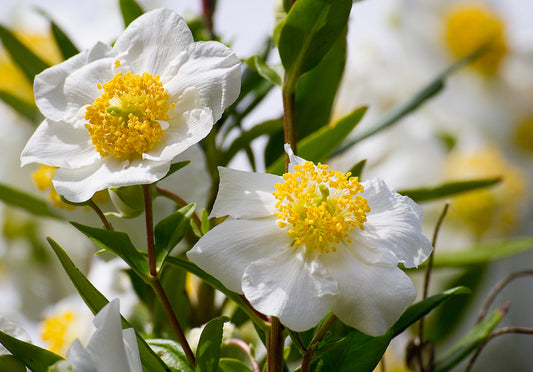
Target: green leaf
25,109
130,11
481,253
310,30
232,365
171,353
119,243
317,146
29,62
65,45
11,364
423,194
257,64
170,231
357,169
206,225
174,167
208,351
27,202
34,357
129,200
96,301
469,342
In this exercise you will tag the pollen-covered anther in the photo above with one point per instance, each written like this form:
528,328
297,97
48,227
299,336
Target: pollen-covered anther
321,207
125,119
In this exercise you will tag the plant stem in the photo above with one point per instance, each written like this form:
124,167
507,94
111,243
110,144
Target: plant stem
149,216
100,215
275,347
289,117
178,200
306,360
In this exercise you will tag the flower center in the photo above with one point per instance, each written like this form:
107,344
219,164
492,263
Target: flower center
472,26
321,206
56,331
126,119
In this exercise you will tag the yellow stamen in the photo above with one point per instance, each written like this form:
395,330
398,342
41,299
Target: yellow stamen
57,331
124,121
472,26
320,206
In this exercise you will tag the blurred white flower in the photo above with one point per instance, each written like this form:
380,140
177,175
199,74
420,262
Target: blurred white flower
117,116
312,241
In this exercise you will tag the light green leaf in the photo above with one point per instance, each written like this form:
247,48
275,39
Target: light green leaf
468,343
170,231
29,62
309,31
25,109
27,202
317,146
232,365
96,301
129,201
119,243
130,10
272,74
208,351
423,194
34,357
171,353
206,225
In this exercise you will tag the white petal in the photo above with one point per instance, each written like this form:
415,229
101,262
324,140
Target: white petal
106,345
245,194
394,225
293,159
213,70
59,144
50,84
152,42
80,184
132,349
299,292
79,358
228,249
370,297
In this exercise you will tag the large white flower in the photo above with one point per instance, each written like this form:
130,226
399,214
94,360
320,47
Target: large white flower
117,116
312,241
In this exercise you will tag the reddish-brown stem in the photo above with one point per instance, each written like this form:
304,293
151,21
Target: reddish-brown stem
307,358
275,347
180,201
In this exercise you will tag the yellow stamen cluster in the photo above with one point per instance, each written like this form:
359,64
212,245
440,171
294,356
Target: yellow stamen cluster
472,26
124,120
320,206
55,331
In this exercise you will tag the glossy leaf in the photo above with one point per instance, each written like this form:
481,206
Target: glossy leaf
317,146
170,231
29,62
34,357
232,365
171,353
27,202
119,243
130,10
208,351
23,108
96,301
257,64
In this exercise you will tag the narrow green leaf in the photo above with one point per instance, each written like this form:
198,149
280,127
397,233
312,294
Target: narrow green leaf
29,62
65,45
130,10
318,145
208,351
482,253
469,342
257,64
310,30
11,364
25,109
96,301
27,202
174,167
119,243
232,365
423,194
206,225
357,169
171,353
170,231
34,357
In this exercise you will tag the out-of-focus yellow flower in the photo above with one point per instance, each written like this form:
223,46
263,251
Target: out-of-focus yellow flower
58,331
523,135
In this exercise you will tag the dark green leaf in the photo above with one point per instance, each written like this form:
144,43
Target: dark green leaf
27,202
34,357
317,146
9,363
29,62
66,46
423,194
119,243
170,231
25,109
357,169
310,30
208,351
469,342
257,64
130,11
171,353
96,301
232,365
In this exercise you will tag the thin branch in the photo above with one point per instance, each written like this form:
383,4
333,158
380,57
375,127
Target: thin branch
100,214
180,201
246,348
275,347
149,217
306,360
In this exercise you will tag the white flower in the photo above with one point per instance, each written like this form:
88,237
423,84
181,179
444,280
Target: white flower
117,116
110,348
312,241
